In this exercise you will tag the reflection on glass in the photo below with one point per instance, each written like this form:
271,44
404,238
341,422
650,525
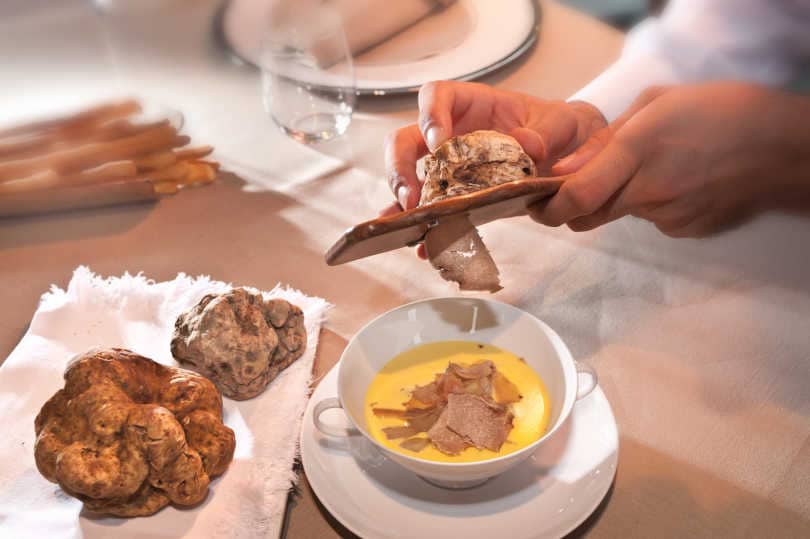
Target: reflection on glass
308,82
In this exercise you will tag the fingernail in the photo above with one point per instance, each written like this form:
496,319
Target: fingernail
433,137
402,196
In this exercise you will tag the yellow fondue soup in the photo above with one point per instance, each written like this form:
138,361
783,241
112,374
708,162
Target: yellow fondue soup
418,366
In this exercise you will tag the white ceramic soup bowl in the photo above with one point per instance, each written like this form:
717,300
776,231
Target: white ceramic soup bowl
464,319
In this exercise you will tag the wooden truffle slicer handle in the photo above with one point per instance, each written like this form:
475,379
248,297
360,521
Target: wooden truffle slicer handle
409,227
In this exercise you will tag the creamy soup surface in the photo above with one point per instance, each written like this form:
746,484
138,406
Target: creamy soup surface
393,385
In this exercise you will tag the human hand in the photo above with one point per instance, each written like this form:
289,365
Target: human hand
545,129
693,160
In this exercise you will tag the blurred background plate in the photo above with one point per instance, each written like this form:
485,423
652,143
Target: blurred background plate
463,41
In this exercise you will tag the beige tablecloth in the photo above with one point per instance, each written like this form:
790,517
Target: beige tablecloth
703,346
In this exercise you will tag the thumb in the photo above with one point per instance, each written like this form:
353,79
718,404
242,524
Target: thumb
582,155
548,137
531,142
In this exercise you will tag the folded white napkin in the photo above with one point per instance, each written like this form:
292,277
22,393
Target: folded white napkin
136,313
370,22
366,22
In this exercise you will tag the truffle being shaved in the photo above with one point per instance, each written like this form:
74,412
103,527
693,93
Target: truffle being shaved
463,165
128,436
240,340
471,162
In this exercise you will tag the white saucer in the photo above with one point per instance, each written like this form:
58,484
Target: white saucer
465,41
548,495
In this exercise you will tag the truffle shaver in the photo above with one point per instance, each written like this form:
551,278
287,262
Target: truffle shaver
409,227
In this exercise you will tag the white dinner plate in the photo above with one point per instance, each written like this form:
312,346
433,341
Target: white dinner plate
548,495
465,41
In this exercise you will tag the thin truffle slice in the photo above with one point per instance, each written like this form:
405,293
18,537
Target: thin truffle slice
389,412
426,395
477,418
455,248
415,444
480,387
486,425
505,390
449,383
423,419
445,439
406,431
476,370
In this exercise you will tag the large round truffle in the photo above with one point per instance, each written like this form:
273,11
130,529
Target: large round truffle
128,436
240,340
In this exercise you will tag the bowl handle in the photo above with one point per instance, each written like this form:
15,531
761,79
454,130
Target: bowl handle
329,430
583,370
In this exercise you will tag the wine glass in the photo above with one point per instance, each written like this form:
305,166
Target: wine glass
308,82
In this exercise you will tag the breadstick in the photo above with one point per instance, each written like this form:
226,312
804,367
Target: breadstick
100,145
183,173
166,187
38,144
95,153
212,164
116,170
193,153
94,115
199,173
18,145
156,161
40,181
175,172
117,129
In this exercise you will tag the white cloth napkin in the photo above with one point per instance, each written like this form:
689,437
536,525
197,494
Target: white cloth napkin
366,22
370,22
137,313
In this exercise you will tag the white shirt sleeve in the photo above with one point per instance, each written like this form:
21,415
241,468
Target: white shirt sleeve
755,40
